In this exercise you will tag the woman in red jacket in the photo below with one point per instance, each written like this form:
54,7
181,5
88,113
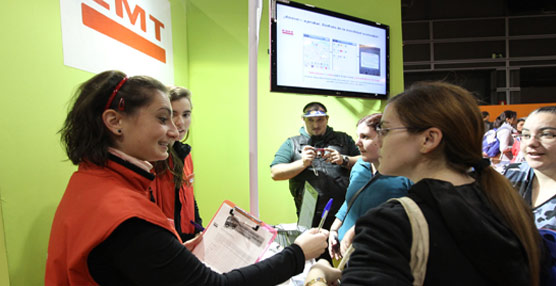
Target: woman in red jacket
106,230
172,188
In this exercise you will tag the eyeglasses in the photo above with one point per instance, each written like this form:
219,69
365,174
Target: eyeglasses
544,136
383,131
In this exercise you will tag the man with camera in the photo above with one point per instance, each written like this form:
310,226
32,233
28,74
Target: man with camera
319,155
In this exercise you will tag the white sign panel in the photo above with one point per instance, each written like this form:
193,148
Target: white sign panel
134,36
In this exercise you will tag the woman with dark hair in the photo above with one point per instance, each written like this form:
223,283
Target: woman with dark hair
535,179
106,230
172,189
480,230
504,128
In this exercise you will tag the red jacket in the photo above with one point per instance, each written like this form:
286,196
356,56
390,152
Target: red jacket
97,200
164,194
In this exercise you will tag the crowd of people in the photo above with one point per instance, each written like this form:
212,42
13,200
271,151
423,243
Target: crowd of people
505,130
129,214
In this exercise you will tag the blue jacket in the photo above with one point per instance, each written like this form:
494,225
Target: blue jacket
378,192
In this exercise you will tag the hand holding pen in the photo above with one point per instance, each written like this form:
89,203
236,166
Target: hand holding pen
315,241
325,213
192,243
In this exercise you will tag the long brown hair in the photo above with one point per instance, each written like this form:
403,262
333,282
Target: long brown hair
455,112
84,135
176,168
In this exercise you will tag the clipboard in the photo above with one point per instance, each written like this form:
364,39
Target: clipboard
308,207
233,239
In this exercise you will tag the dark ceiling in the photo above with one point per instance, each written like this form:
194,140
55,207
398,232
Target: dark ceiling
450,9
501,50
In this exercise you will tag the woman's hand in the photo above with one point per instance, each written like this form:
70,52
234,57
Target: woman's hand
323,269
347,240
312,242
190,244
334,245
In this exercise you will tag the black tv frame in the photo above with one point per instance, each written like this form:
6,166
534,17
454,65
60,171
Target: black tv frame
274,87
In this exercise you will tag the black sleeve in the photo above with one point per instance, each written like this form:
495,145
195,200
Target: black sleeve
198,218
382,249
177,218
140,253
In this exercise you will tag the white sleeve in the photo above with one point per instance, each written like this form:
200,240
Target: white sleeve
504,135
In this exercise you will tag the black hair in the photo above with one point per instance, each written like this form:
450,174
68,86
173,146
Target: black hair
506,114
549,109
314,103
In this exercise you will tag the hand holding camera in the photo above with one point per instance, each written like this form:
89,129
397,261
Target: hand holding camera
322,152
332,156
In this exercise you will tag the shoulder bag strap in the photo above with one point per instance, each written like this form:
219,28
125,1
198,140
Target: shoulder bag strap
354,197
420,239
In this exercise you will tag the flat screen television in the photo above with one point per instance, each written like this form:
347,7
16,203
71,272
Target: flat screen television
316,51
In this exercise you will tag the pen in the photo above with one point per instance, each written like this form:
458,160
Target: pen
325,213
197,226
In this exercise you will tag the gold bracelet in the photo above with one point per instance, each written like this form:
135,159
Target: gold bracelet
316,280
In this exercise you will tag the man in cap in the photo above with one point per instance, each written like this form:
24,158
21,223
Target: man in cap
319,155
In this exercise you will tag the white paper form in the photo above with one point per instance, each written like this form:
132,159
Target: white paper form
233,239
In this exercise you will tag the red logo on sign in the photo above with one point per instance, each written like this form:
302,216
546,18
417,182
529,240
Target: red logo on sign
103,24
287,32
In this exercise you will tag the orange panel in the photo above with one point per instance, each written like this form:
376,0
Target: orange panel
522,110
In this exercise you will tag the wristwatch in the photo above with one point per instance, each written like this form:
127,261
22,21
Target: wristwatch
345,161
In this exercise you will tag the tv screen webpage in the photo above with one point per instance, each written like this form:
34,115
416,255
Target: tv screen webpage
316,51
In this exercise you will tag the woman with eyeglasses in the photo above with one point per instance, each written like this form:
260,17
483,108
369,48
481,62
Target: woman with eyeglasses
481,231
535,179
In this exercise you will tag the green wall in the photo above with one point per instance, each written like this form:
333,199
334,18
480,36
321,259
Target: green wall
4,273
210,57
218,66
36,86
36,89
